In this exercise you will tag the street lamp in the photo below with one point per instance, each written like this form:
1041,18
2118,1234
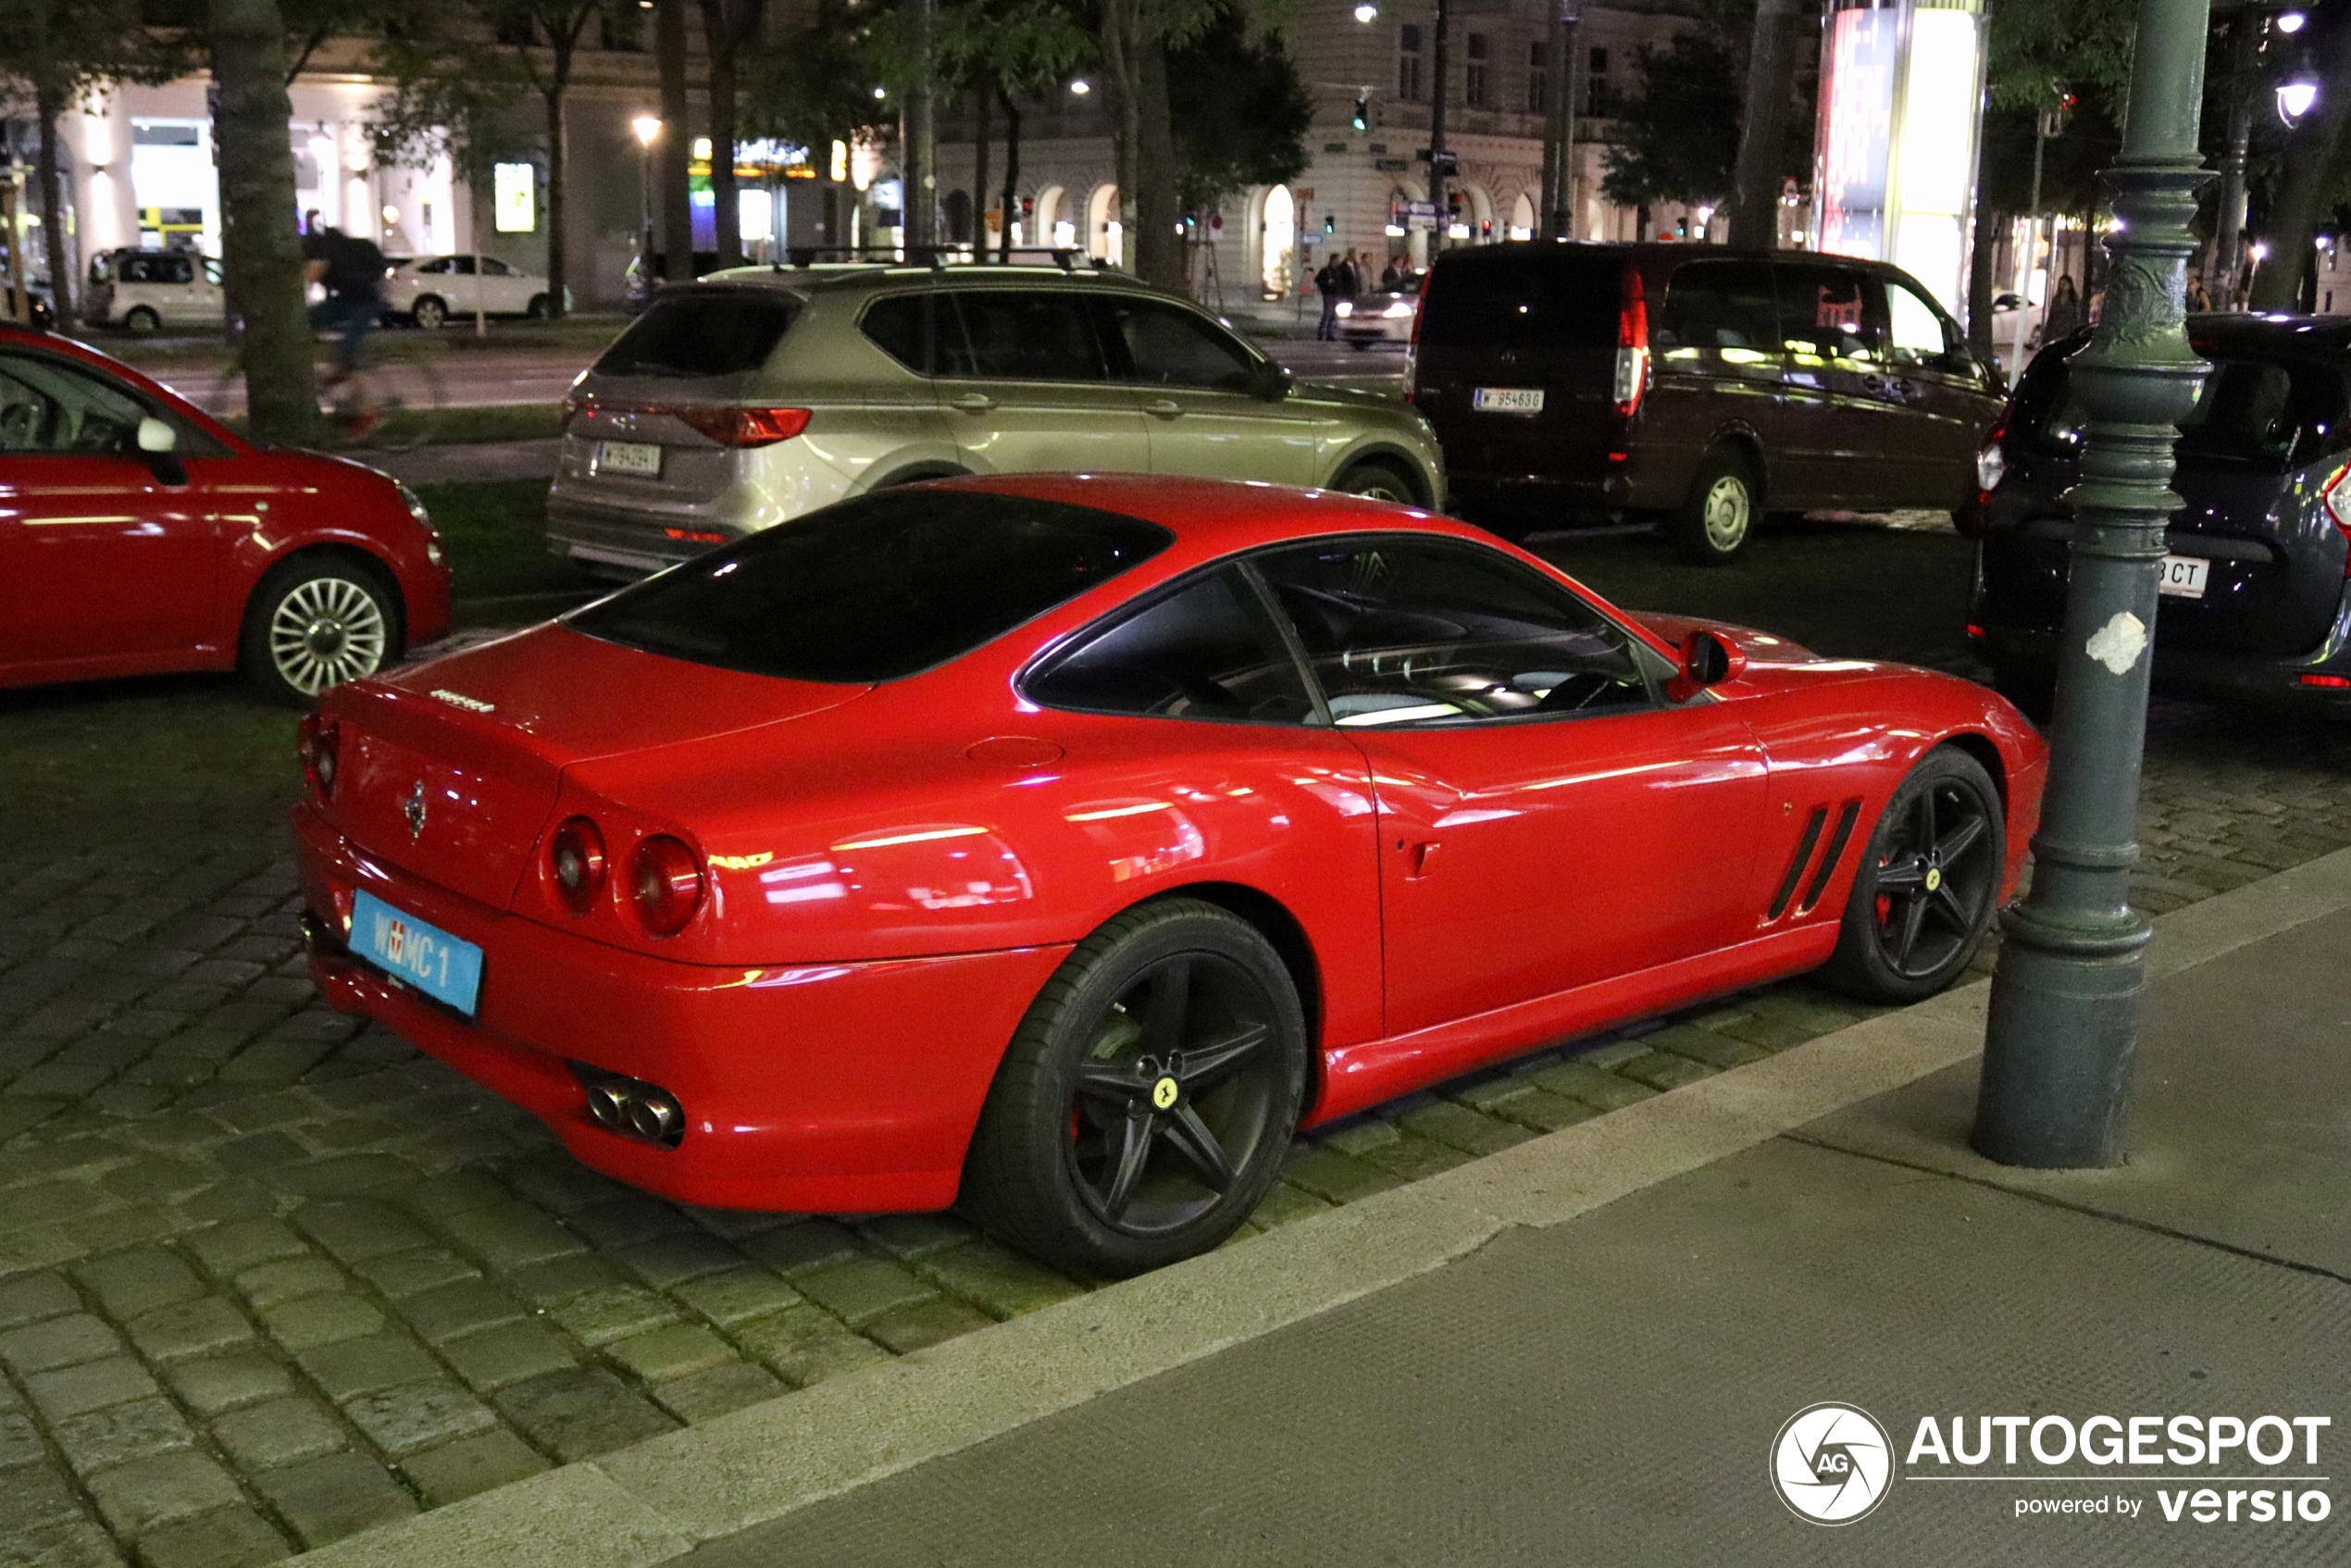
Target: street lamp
2296,96
648,130
1367,13
1079,87
2290,22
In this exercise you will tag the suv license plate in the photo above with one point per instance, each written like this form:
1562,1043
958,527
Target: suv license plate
2183,577
629,457
1508,400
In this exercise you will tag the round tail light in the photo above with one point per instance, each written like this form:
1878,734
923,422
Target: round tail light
666,881
576,863
315,742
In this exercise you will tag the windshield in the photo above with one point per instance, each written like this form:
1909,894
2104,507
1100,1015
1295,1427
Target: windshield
702,332
876,588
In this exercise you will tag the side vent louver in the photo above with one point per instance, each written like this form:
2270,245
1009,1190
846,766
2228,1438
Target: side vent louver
1796,866
1829,858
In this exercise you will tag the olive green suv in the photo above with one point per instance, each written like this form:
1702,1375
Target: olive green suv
758,394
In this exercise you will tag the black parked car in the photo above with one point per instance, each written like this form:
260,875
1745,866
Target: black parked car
2255,602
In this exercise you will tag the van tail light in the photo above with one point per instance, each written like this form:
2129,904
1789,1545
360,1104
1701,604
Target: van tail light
316,741
1632,344
576,863
2336,499
1413,344
665,882
746,426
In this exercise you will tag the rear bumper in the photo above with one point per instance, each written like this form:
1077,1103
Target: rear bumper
602,538
2270,680
811,1087
1574,500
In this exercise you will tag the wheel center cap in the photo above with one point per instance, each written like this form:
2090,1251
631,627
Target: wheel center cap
1933,878
325,638
1163,1094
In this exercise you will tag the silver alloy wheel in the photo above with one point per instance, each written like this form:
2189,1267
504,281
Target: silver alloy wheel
327,631
430,312
1376,484
1728,512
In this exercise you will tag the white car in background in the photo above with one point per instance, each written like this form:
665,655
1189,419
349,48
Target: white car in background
429,289
145,292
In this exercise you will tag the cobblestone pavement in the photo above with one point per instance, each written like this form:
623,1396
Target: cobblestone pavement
268,1277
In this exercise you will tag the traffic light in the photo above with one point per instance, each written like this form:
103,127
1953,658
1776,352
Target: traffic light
1330,223
1362,117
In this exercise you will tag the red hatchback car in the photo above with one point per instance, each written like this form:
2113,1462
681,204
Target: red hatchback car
1062,843
138,535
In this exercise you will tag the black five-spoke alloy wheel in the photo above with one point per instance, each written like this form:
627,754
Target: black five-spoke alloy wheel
1146,1102
1927,886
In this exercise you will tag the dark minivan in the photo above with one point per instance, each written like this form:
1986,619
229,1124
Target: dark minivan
2256,586
1573,381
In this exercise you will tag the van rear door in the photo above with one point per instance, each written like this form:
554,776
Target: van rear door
1523,320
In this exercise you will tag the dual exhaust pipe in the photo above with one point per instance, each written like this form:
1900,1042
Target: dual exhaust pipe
631,1107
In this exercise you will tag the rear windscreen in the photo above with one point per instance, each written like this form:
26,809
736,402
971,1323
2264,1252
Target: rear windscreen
2251,410
1547,299
701,332
875,588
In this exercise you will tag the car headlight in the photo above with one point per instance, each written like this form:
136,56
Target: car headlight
415,505
1345,307
1401,309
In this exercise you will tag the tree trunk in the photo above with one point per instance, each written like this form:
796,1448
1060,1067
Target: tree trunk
1121,35
49,104
1979,279
1154,247
262,253
675,149
1755,195
979,178
2311,156
718,41
558,156
1012,174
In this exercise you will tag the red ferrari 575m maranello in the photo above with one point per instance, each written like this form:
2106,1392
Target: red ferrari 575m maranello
1061,843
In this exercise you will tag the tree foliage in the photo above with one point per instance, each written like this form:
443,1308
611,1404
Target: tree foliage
1676,135
816,84
1240,112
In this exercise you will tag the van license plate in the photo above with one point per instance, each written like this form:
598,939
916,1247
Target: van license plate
446,968
1508,400
2183,576
629,457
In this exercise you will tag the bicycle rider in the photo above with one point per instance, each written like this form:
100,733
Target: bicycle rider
352,270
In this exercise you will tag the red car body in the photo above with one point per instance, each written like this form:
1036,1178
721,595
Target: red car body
109,569
895,871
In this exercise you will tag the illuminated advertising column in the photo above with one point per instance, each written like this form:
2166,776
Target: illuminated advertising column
1901,116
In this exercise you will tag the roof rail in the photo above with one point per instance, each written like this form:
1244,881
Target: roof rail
935,257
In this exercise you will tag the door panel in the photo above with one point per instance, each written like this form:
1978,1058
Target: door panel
1195,386
1837,406
1942,415
1025,385
1719,358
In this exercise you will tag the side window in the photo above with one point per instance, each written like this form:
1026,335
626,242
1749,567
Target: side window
1206,651
1915,331
436,267
178,269
48,407
1826,311
1168,346
897,326
463,266
1406,631
492,268
1017,335
1720,304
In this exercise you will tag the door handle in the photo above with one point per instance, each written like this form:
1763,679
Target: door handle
1873,383
1166,408
974,402
1417,853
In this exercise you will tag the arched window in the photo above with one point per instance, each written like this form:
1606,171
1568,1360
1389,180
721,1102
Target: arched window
1105,237
1278,230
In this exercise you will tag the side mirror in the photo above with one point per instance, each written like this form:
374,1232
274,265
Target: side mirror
1272,382
159,440
1707,661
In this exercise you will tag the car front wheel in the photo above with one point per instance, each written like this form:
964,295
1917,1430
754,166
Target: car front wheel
430,313
1148,1099
316,623
1928,884
1377,481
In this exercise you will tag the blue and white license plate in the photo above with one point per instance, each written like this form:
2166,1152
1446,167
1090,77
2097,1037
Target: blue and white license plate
416,951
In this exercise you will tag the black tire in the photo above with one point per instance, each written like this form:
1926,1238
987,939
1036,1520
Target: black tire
1927,886
539,308
141,322
1377,479
315,621
2033,691
428,313
1173,1023
1715,524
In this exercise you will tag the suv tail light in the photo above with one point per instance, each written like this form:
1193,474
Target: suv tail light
316,741
1413,344
1631,344
576,861
665,882
2336,498
746,426
1991,464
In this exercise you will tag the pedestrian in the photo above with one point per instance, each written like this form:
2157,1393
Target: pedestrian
2065,314
2198,299
1392,278
1350,275
1327,283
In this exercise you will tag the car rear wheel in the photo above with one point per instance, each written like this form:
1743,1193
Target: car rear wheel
1377,481
1148,1098
539,308
430,312
1712,527
141,322
317,622
1928,884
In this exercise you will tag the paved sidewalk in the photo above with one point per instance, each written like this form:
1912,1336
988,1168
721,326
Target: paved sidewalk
1607,1390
